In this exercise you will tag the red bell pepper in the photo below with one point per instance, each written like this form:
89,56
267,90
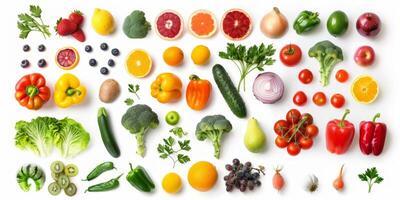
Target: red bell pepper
31,91
372,136
339,134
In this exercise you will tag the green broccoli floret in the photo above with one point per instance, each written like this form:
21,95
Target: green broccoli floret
135,25
213,127
139,119
328,55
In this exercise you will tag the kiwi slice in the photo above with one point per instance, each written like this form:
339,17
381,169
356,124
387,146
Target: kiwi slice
56,176
54,188
63,181
71,170
70,190
57,167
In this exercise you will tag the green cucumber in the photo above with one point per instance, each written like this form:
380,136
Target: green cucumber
229,91
106,134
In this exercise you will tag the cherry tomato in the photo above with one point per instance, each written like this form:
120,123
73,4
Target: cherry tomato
306,76
306,143
311,130
300,98
293,116
338,100
290,55
319,99
308,119
342,76
281,127
281,142
293,149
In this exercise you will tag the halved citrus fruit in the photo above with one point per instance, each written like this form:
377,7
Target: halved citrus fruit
138,63
169,25
236,24
365,89
202,24
67,58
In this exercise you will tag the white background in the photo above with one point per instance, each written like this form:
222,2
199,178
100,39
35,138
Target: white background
296,169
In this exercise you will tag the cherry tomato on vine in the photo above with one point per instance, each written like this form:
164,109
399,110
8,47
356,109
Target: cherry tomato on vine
338,100
306,143
342,76
290,55
300,98
305,76
319,98
308,119
281,127
293,149
293,116
311,131
281,142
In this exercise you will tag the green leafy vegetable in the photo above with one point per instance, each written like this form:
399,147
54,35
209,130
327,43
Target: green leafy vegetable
178,131
129,101
135,25
166,150
72,138
28,22
247,60
370,176
132,88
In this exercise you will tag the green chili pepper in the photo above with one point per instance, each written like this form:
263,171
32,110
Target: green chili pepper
139,179
306,21
97,171
105,186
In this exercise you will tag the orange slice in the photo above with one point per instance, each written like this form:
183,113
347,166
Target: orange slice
138,63
67,58
365,89
202,24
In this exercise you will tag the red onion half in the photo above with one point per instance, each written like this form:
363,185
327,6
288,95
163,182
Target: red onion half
268,87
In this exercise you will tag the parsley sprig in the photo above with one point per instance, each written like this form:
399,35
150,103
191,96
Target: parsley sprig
167,150
132,88
28,22
371,176
178,131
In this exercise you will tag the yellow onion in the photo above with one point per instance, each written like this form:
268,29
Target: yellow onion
274,24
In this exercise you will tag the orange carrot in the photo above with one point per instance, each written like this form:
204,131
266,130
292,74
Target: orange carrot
277,180
338,183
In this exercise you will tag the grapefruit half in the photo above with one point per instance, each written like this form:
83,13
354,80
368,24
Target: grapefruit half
67,58
169,25
236,24
202,24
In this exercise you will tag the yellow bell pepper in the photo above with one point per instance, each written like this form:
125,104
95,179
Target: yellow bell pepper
68,91
166,88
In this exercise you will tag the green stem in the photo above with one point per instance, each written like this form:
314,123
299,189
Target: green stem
140,144
346,112
376,117
32,91
369,186
72,91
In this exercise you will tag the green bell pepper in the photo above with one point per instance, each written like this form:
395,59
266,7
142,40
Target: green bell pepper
306,21
139,179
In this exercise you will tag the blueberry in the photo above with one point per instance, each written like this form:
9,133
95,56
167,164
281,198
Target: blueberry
104,46
42,63
25,63
26,48
92,62
41,48
115,52
88,48
104,71
111,63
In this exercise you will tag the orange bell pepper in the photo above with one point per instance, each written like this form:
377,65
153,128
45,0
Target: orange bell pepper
198,92
166,88
31,91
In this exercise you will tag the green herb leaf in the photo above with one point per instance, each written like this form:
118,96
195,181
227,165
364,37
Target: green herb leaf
166,150
178,131
370,176
183,158
35,11
32,22
129,101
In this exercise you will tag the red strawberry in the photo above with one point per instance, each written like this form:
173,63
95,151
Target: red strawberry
76,17
79,35
65,27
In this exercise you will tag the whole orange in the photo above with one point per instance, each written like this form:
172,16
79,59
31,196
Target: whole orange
173,56
202,176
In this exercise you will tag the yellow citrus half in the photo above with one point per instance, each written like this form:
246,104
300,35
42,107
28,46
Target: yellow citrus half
138,63
365,89
172,183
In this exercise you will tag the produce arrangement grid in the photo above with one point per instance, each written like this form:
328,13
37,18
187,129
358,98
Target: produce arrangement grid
227,99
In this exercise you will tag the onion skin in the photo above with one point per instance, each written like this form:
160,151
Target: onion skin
274,24
268,87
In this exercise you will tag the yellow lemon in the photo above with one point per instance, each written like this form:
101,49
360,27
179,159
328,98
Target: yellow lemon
138,63
172,183
103,22
365,89
200,55
173,56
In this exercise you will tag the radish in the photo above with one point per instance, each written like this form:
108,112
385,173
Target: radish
338,183
277,180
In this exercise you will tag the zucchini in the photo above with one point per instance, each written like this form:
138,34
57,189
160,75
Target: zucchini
228,91
106,134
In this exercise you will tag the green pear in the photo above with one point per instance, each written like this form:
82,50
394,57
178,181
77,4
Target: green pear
254,138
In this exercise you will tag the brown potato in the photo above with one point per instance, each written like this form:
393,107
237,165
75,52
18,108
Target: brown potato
109,91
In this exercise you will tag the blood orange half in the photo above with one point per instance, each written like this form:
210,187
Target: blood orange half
236,24
169,25
202,24
67,58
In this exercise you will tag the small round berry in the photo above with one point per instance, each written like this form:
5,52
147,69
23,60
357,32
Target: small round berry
104,46
92,62
25,63
111,63
41,48
42,63
115,52
104,71
88,48
26,48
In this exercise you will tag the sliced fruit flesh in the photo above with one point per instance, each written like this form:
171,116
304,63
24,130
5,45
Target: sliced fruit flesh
169,24
365,89
66,57
203,24
236,24
138,63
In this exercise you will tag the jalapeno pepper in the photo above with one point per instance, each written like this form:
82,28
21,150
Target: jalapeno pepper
105,186
31,91
372,136
68,91
306,21
139,179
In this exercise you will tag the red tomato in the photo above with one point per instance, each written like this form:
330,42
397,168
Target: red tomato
338,100
290,55
309,120
342,76
293,116
306,143
306,76
293,149
281,142
300,98
311,130
319,99
281,127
